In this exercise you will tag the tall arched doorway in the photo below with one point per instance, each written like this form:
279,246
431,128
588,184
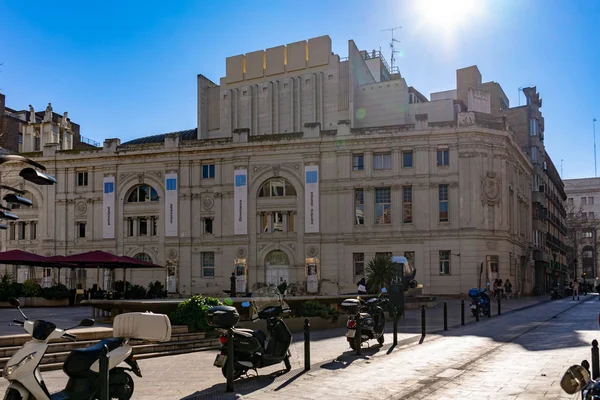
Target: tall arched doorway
277,265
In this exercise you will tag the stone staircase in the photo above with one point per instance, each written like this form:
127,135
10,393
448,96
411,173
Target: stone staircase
181,342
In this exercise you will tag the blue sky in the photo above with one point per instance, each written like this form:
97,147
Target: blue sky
128,69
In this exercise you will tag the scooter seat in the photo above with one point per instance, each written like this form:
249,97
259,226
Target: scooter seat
257,334
79,361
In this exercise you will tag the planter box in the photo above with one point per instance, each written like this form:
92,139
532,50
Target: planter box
37,302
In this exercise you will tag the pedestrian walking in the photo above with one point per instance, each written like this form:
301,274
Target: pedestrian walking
576,290
501,288
507,289
362,286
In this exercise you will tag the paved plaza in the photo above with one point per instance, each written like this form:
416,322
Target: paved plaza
521,354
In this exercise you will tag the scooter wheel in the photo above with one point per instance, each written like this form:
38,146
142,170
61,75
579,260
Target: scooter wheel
381,339
13,395
352,345
236,372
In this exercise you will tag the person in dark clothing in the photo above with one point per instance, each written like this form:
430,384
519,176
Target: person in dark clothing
362,286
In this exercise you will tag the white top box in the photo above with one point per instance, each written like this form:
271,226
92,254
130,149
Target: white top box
143,326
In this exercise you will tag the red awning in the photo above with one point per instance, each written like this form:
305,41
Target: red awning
102,259
20,257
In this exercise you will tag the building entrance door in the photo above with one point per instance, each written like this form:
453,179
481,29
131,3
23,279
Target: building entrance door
277,266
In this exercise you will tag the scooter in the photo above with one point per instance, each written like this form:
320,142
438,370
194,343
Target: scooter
577,379
372,319
254,349
479,298
82,366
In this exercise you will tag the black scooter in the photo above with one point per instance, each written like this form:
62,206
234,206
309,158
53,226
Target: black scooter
372,318
255,349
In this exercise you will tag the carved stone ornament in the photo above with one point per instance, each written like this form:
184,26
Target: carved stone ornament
141,178
241,252
172,254
208,203
257,168
81,208
312,251
466,119
490,189
276,169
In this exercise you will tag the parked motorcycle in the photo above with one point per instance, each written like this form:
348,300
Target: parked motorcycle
372,318
555,293
254,349
82,366
577,379
479,297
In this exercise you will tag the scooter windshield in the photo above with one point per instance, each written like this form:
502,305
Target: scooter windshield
268,296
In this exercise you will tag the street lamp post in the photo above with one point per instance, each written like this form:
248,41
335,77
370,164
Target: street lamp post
595,165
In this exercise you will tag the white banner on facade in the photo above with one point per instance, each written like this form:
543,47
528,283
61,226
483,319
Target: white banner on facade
311,199
108,207
171,205
240,200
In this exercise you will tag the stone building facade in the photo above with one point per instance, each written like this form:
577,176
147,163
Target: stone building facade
303,167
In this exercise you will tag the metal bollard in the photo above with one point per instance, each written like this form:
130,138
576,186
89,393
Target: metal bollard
423,321
477,311
462,312
499,306
358,335
395,326
306,344
490,309
229,360
595,360
445,316
103,374
585,364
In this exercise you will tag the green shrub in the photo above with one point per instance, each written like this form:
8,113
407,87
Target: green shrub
156,290
31,288
136,292
192,313
8,288
313,308
58,292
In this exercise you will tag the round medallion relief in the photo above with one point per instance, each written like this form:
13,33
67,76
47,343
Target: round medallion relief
312,251
241,252
172,254
208,203
81,208
491,189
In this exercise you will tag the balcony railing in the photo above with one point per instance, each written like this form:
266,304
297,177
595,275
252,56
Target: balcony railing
91,142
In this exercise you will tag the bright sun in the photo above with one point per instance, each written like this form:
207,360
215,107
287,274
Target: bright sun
446,17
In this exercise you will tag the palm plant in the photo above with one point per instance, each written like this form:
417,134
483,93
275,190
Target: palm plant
380,272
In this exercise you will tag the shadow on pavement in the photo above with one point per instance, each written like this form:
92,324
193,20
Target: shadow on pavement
348,357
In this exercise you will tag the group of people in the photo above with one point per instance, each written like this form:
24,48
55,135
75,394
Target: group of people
502,290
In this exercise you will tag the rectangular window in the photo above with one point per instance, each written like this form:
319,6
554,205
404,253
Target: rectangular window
22,230
590,200
208,226
382,161
359,207
208,264
142,227
533,127
12,231
444,262
584,201
383,205
37,144
591,215
358,162
20,142
359,263
291,221
407,159
81,229
492,264
32,230
208,171
407,204
265,222
130,231
443,157
587,234
277,221
443,199
82,179
534,154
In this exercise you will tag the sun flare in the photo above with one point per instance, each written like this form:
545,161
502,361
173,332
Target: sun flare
447,17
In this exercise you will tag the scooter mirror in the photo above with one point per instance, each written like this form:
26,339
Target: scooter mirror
14,302
384,290
246,304
574,379
87,322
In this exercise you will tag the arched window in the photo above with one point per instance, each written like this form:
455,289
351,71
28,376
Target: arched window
143,257
277,257
277,187
27,195
141,194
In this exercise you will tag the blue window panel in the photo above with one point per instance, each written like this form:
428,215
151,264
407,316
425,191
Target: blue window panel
109,187
208,171
312,176
172,184
240,180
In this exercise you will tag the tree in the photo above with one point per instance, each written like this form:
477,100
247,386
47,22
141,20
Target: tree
380,272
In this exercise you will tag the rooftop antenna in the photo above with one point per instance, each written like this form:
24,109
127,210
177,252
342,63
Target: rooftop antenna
561,169
392,42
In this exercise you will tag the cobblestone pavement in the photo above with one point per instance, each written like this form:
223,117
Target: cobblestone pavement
192,376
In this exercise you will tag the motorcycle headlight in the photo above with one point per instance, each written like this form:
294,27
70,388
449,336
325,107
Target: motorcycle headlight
8,370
